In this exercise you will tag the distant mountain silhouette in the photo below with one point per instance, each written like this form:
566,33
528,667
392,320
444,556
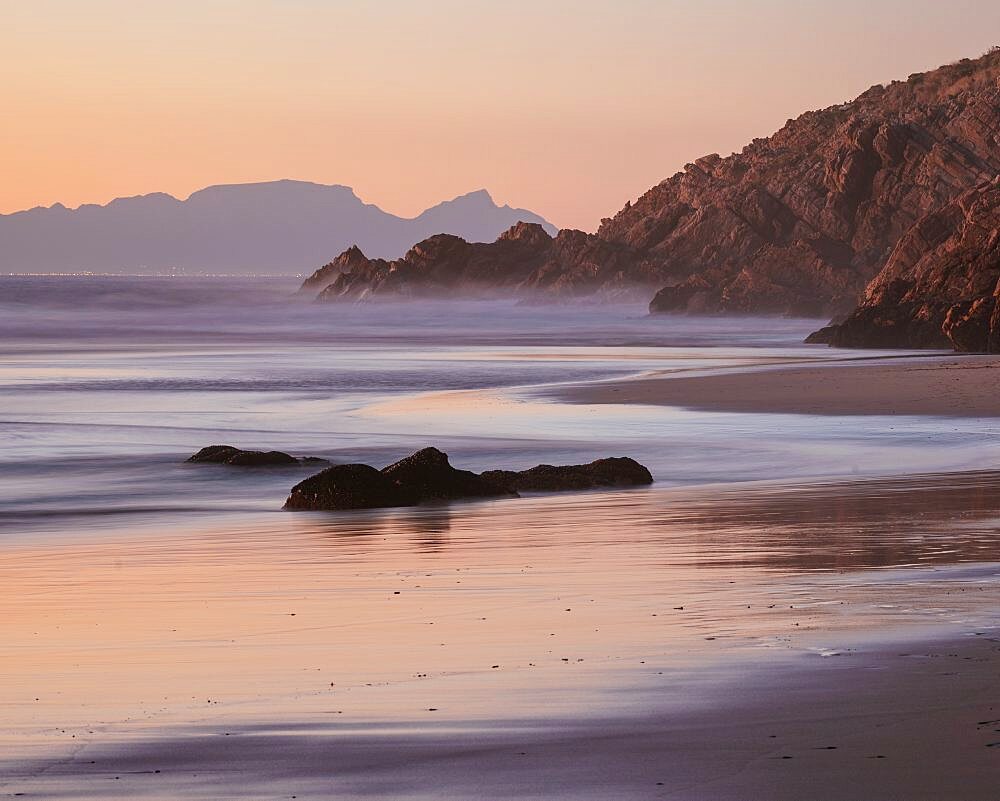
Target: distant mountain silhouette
277,227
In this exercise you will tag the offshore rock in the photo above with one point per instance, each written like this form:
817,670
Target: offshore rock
237,457
348,261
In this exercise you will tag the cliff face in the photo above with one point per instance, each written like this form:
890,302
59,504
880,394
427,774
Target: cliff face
940,286
794,224
800,221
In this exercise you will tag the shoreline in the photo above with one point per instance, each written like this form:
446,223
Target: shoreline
855,674
943,385
915,719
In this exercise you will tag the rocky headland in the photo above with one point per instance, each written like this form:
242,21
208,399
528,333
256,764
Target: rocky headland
524,261
795,223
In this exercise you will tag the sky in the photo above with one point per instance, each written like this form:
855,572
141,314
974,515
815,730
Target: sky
566,107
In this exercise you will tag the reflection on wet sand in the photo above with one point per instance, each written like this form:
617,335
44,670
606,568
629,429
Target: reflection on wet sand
909,724
847,525
824,526
496,611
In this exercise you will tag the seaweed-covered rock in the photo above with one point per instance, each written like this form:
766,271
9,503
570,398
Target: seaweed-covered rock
218,454
424,476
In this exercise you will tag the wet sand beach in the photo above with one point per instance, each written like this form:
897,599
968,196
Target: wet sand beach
754,641
801,605
917,721
967,386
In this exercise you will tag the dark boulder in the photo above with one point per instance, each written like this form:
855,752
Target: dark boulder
237,457
217,454
612,472
427,475
346,486
261,459
422,477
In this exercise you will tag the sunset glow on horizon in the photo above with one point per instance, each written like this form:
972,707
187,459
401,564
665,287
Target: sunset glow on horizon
565,108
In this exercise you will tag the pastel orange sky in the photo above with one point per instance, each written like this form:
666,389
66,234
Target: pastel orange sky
566,107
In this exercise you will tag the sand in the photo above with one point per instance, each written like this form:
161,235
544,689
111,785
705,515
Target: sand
820,639
588,647
918,721
950,386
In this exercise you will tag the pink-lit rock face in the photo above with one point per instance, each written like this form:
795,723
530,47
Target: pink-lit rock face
939,289
797,223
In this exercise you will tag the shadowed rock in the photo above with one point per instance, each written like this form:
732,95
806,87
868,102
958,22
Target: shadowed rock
525,261
346,486
613,472
422,477
237,457
260,459
428,476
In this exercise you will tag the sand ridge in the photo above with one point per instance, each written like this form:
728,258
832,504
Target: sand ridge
949,386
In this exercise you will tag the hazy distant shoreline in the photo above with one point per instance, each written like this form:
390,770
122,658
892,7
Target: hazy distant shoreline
881,698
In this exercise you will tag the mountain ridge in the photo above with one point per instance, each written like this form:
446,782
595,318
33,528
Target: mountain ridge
284,226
